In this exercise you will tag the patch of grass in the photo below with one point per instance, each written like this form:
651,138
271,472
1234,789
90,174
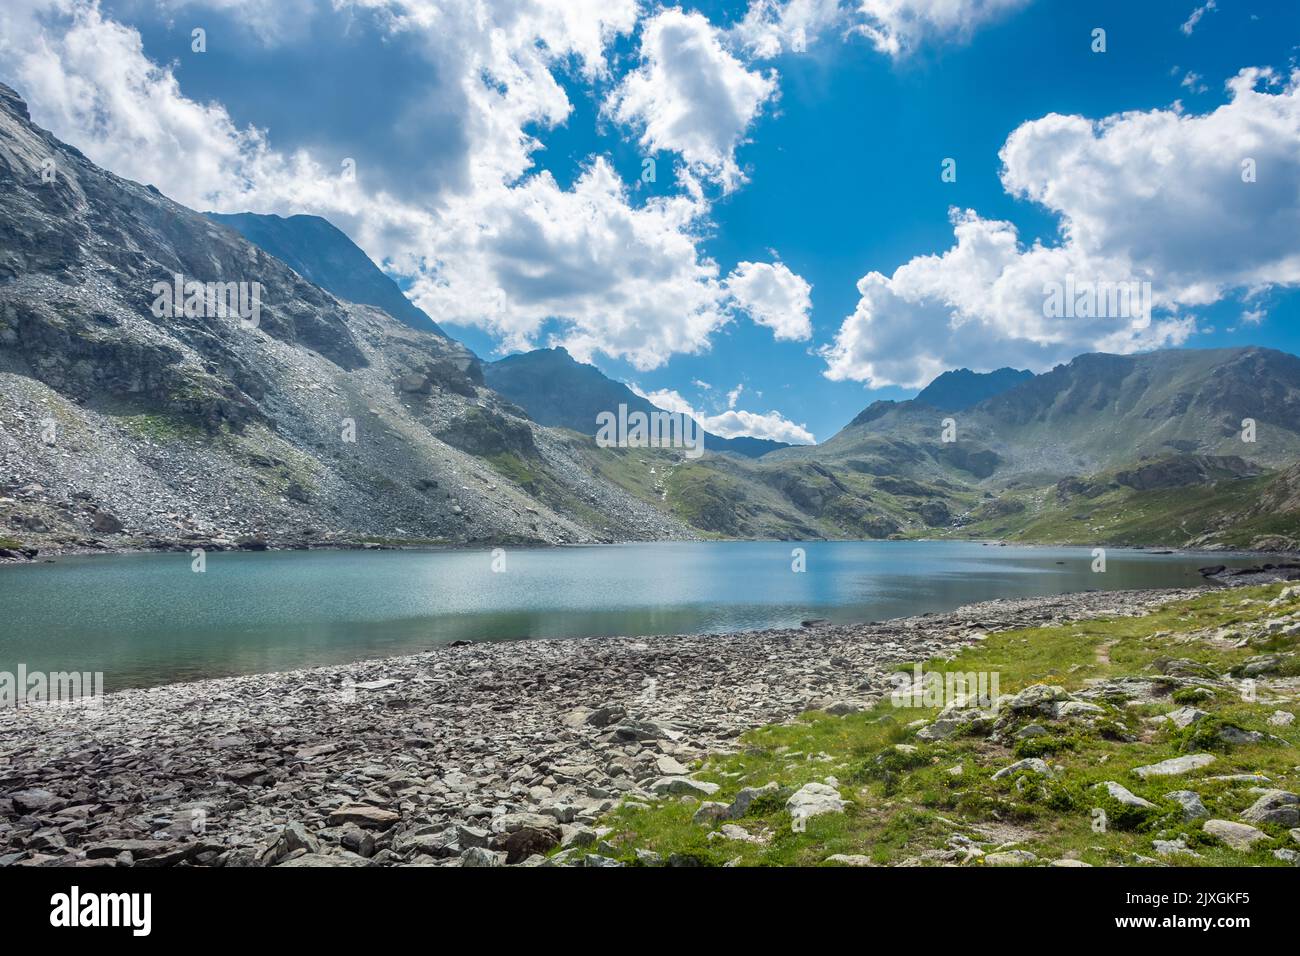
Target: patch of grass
159,427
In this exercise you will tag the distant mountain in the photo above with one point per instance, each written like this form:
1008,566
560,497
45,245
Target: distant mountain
555,389
962,388
321,253
1097,412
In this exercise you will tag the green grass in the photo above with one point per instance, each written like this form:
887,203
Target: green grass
11,544
903,803
159,428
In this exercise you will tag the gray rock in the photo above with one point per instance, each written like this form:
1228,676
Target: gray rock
1229,734
373,818
740,806
1239,836
479,856
669,767
1124,796
33,801
1041,698
1175,766
710,812
679,786
814,799
1076,708
327,859
1185,716
1280,807
1029,764
1010,858
1190,801
1173,848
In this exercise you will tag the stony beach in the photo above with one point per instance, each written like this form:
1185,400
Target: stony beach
479,754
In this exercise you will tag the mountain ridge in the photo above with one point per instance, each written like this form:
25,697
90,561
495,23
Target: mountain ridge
323,254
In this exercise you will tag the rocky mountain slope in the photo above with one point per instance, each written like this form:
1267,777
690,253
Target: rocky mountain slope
322,254
556,389
304,419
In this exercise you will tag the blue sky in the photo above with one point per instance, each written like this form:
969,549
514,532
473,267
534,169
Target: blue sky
500,175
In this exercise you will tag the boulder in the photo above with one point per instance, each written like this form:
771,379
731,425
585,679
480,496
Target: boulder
1239,836
1275,806
526,841
740,806
814,799
1190,801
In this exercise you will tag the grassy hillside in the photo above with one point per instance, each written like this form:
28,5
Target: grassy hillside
1257,512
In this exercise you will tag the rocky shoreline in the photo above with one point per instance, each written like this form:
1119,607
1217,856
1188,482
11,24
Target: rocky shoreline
481,754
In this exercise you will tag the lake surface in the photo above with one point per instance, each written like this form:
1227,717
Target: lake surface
149,619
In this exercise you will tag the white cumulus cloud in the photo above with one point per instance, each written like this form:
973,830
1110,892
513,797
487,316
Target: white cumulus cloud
1153,196
690,95
773,296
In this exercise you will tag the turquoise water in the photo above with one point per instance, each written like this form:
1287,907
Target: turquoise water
149,619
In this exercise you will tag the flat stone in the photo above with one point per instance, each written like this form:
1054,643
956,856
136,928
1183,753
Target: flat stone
1126,797
1010,858
850,859
33,801
669,767
1174,766
374,818
1077,708
679,786
327,859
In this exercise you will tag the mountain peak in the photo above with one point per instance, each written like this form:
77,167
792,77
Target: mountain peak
961,388
12,102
